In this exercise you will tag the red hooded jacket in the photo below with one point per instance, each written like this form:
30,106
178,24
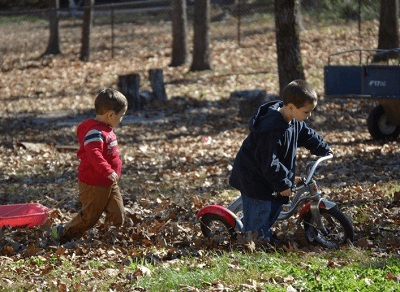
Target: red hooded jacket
98,152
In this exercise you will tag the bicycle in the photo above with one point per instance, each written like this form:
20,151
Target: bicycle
323,222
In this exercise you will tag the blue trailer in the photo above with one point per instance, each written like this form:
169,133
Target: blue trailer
373,81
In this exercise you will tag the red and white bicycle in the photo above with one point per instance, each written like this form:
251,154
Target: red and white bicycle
323,222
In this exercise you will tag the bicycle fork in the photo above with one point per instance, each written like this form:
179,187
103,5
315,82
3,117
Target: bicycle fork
314,208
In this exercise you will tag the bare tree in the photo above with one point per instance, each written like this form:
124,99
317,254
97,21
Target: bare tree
86,29
201,38
179,27
388,29
53,47
290,65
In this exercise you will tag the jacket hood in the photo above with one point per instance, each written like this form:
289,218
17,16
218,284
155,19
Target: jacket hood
268,118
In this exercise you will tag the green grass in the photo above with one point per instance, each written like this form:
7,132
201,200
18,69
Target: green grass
390,188
339,271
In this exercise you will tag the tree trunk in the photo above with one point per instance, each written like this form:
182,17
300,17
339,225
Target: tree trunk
86,28
179,27
53,47
388,29
290,65
201,38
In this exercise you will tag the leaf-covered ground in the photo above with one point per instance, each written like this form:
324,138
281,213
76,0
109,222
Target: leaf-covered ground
177,156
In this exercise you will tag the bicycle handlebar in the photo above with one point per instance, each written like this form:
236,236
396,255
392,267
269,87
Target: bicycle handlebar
314,166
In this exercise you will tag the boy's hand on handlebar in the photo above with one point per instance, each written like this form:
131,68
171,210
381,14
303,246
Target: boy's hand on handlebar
286,193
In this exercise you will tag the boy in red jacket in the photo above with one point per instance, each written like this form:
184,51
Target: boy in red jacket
99,169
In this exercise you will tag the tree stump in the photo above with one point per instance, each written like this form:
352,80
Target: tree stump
157,84
396,198
129,86
249,102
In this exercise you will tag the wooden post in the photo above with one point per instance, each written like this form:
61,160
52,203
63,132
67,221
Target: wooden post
157,84
129,86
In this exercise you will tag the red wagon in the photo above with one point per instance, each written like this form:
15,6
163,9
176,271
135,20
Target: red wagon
19,215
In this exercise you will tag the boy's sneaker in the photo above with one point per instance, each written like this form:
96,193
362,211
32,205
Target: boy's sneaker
273,240
58,232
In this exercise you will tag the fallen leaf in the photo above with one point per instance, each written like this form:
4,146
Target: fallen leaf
60,251
142,271
197,202
390,276
32,250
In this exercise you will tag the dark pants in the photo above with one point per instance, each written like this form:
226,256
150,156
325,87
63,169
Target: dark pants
96,200
260,216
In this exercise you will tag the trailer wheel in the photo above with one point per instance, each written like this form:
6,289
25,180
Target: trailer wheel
380,127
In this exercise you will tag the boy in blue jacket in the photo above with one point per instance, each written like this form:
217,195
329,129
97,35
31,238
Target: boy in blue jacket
265,163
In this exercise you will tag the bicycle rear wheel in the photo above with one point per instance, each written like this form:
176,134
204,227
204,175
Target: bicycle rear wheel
217,228
339,228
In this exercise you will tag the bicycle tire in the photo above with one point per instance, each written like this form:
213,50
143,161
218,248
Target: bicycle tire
377,118
339,230
215,227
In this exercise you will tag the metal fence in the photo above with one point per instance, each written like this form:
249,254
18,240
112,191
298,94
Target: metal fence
117,27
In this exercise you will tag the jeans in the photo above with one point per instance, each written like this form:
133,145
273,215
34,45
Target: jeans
259,216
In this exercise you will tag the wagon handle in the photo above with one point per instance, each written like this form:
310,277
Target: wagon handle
384,51
379,51
349,51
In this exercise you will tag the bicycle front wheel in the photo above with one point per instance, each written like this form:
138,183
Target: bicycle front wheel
338,226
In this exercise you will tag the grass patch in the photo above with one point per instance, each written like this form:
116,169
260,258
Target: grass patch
390,188
352,270
237,270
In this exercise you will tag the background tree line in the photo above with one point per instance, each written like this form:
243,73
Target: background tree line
287,22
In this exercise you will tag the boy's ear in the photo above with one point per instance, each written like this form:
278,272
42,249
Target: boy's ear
110,114
291,106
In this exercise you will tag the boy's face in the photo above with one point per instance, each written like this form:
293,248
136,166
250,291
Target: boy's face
115,118
304,112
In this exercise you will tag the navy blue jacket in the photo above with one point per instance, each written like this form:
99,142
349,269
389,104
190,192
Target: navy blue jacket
266,160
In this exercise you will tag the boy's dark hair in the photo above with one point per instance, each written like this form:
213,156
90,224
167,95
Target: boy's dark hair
109,99
299,92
